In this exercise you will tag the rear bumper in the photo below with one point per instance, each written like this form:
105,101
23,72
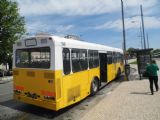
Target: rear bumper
37,102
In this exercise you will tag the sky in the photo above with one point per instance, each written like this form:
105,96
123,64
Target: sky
97,21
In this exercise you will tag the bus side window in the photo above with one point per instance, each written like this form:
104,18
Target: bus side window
83,59
114,57
109,57
75,60
96,59
79,60
66,61
122,58
93,58
119,57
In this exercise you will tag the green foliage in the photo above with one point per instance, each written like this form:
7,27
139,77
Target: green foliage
11,29
134,62
156,51
131,51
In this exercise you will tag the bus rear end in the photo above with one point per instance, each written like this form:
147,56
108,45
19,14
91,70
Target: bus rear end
33,73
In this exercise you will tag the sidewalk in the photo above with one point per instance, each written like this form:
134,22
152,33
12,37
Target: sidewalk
5,79
131,100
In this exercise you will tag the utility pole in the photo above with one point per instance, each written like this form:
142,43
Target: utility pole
141,36
127,68
144,41
147,41
124,34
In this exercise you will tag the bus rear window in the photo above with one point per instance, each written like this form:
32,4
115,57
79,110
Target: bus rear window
33,58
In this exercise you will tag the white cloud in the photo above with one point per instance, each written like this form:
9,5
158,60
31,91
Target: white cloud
77,7
134,22
36,27
64,28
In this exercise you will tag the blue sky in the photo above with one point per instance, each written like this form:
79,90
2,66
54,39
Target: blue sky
97,21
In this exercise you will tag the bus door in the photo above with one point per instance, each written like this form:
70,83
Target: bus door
111,66
103,67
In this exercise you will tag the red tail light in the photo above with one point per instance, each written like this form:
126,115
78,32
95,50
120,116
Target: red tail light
48,95
19,88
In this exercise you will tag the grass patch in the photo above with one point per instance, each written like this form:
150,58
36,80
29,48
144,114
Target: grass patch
134,62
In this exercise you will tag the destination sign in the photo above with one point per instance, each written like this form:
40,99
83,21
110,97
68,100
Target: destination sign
30,42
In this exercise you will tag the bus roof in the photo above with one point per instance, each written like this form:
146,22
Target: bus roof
83,44
72,43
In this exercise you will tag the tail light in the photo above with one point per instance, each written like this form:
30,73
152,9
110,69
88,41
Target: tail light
48,95
18,89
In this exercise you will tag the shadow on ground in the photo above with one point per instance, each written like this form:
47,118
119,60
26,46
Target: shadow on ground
31,109
141,93
46,113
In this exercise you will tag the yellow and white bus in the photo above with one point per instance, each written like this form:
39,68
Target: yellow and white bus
54,72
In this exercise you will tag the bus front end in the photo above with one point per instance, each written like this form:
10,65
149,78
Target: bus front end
33,72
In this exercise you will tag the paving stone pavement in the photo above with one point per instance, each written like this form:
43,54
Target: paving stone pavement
131,100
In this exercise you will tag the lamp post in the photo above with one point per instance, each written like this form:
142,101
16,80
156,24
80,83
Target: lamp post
147,41
143,32
127,67
124,33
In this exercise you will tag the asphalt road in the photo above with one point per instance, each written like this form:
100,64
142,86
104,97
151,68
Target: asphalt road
6,91
13,110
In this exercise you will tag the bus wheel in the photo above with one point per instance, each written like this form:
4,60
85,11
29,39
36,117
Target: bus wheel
119,72
94,87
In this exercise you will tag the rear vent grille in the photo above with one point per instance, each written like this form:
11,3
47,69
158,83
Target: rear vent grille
73,93
15,72
30,74
48,75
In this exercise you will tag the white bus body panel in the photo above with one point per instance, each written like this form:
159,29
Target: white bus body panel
57,44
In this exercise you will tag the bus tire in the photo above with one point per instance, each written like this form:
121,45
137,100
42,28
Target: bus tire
119,72
94,86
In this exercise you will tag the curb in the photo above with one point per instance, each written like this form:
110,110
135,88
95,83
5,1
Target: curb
5,79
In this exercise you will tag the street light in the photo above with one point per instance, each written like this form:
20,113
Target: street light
143,31
124,34
127,67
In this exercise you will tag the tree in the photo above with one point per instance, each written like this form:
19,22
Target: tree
11,29
131,51
156,51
